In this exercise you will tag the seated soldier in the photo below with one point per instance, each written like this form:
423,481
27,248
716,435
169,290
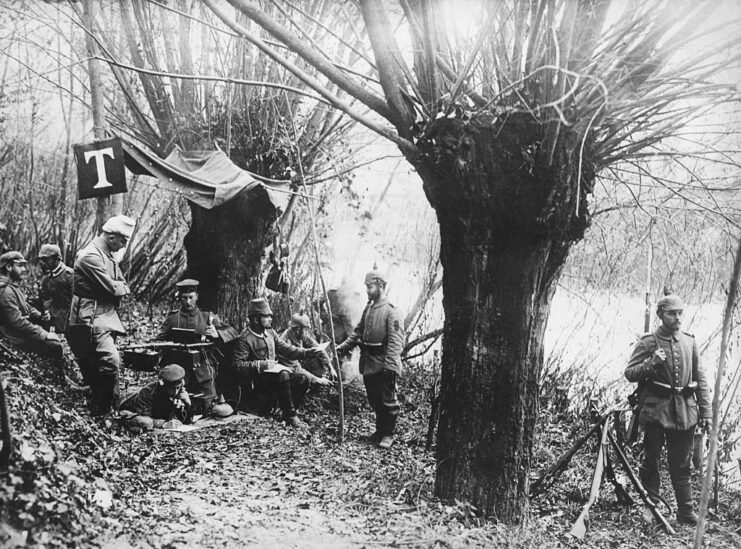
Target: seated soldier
190,322
19,321
55,292
163,404
298,334
262,379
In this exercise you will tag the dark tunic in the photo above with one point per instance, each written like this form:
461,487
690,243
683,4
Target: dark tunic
201,366
56,294
153,401
198,321
19,321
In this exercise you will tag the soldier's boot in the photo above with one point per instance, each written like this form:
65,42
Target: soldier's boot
285,401
375,436
386,427
685,508
104,397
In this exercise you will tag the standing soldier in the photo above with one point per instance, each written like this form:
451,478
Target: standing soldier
19,321
666,366
380,335
94,322
56,286
205,326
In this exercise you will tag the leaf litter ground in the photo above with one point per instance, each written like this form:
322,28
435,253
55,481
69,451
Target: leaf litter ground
76,482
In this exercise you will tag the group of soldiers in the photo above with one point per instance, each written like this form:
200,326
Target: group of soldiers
208,368
260,369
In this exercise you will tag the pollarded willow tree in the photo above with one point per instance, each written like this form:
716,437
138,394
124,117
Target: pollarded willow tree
178,80
508,111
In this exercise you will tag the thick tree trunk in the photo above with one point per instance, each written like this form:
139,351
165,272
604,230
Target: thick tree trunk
225,246
506,225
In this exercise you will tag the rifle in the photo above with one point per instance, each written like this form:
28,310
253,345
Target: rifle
165,344
580,526
10,352
638,486
550,476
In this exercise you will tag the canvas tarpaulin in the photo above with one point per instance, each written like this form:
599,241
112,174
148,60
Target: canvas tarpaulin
206,178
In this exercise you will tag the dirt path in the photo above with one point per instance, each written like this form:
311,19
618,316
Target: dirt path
252,484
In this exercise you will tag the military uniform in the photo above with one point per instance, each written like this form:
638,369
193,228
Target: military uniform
56,294
674,396
315,367
19,322
264,388
205,363
160,401
153,401
98,287
380,335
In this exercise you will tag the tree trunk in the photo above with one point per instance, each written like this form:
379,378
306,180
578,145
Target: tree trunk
225,246
506,225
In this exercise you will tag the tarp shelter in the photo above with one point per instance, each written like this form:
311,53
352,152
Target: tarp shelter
206,178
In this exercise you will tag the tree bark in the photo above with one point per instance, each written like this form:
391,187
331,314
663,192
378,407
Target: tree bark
225,247
507,222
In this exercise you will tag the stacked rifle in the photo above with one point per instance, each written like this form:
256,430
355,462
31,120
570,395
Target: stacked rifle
603,467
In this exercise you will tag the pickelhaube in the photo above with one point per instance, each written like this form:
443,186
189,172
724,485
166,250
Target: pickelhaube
299,320
371,277
671,302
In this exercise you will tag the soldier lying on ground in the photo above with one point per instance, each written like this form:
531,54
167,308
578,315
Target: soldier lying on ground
298,334
203,365
162,404
255,368
19,321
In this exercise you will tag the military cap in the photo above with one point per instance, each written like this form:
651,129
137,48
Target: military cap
11,257
371,277
259,306
187,285
172,373
50,250
671,302
299,320
119,224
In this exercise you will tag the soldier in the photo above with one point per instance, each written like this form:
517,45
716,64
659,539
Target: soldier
209,327
298,334
164,404
94,323
56,286
666,366
256,368
380,335
19,321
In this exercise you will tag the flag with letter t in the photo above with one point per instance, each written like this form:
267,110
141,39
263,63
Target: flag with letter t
100,168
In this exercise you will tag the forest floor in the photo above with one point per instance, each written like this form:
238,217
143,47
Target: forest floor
79,482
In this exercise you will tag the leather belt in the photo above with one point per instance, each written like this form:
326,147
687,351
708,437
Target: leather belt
663,390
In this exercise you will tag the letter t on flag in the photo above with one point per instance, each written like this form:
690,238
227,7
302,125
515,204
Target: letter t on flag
100,168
